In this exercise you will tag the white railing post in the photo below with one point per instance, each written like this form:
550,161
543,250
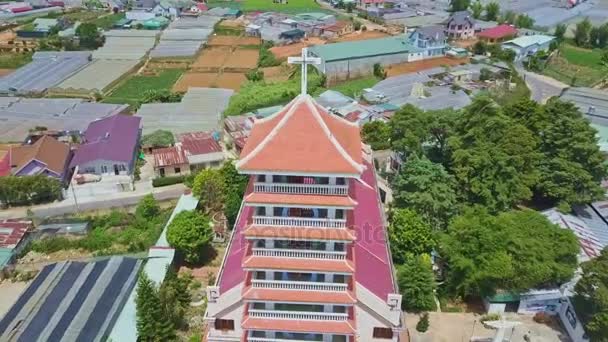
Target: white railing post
301,189
302,222
299,253
298,315
298,285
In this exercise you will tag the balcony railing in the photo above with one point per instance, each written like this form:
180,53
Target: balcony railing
301,189
266,339
299,253
298,315
298,285
299,222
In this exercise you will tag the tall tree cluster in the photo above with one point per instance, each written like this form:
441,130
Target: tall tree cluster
588,36
591,297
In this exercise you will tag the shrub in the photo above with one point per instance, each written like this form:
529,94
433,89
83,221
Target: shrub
158,138
423,323
28,190
490,317
190,232
147,207
255,75
165,181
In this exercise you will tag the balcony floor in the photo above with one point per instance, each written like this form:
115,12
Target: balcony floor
299,296
260,198
298,264
299,326
299,233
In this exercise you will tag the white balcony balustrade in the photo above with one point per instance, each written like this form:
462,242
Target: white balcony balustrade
299,253
265,339
298,315
298,285
303,222
301,189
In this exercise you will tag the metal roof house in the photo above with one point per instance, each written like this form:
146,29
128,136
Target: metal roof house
71,301
528,45
341,61
110,146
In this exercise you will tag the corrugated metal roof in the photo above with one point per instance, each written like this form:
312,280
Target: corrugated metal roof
364,48
169,156
71,301
526,41
12,232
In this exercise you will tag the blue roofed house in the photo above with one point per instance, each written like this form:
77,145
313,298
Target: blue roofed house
528,45
110,146
432,39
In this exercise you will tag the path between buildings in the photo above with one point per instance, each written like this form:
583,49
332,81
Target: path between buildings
116,200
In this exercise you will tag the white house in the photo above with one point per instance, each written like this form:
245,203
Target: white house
528,45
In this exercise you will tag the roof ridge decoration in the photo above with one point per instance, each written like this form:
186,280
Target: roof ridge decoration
307,100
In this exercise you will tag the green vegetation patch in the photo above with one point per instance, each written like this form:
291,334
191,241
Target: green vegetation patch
107,21
14,60
132,90
354,88
583,57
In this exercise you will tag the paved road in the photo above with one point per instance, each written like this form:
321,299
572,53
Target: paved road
106,202
542,87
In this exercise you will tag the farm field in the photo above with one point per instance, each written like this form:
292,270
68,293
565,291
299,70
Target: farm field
284,51
406,68
210,80
132,90
576,66
360,35
222,64
14,60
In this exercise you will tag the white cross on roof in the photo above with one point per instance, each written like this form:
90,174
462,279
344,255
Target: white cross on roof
305,60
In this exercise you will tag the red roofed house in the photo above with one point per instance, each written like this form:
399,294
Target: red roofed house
498,34
308,259
14,238
193,152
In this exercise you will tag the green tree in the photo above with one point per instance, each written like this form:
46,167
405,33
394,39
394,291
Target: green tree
377,134
161,96
190,233
255,75
209,186
594,37
88,35
28,190
423,324
560,32
591,297
234,185
492,11
581,33
514,251
480,47
151,322
459,5
417,284
604,60
572,166
476,9
175,298
496,170
509,17
409,235
416,132
428,189
379,71
603,36
147,207
524,21
158,138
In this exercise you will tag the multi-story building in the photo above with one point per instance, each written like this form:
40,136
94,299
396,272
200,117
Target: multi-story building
308,259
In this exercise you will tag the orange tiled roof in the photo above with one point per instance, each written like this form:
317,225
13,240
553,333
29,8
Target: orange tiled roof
299,233
315,200
292,325
298,264
303,137
299,296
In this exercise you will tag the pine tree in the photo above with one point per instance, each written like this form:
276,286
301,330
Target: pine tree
148,305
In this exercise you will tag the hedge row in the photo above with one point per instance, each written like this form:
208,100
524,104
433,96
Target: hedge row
165,181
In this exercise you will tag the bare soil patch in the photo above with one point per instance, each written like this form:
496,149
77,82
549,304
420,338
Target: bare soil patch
360,35
223,40
230,80
243,59
194,79
285,51
212,58
406,68
4,72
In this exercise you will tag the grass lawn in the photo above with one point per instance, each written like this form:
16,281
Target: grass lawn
107,21
14,60
583,57
132,90
293,6
354,87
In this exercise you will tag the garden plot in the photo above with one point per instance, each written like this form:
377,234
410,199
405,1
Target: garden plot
243,59
211,58
195,79
230,80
